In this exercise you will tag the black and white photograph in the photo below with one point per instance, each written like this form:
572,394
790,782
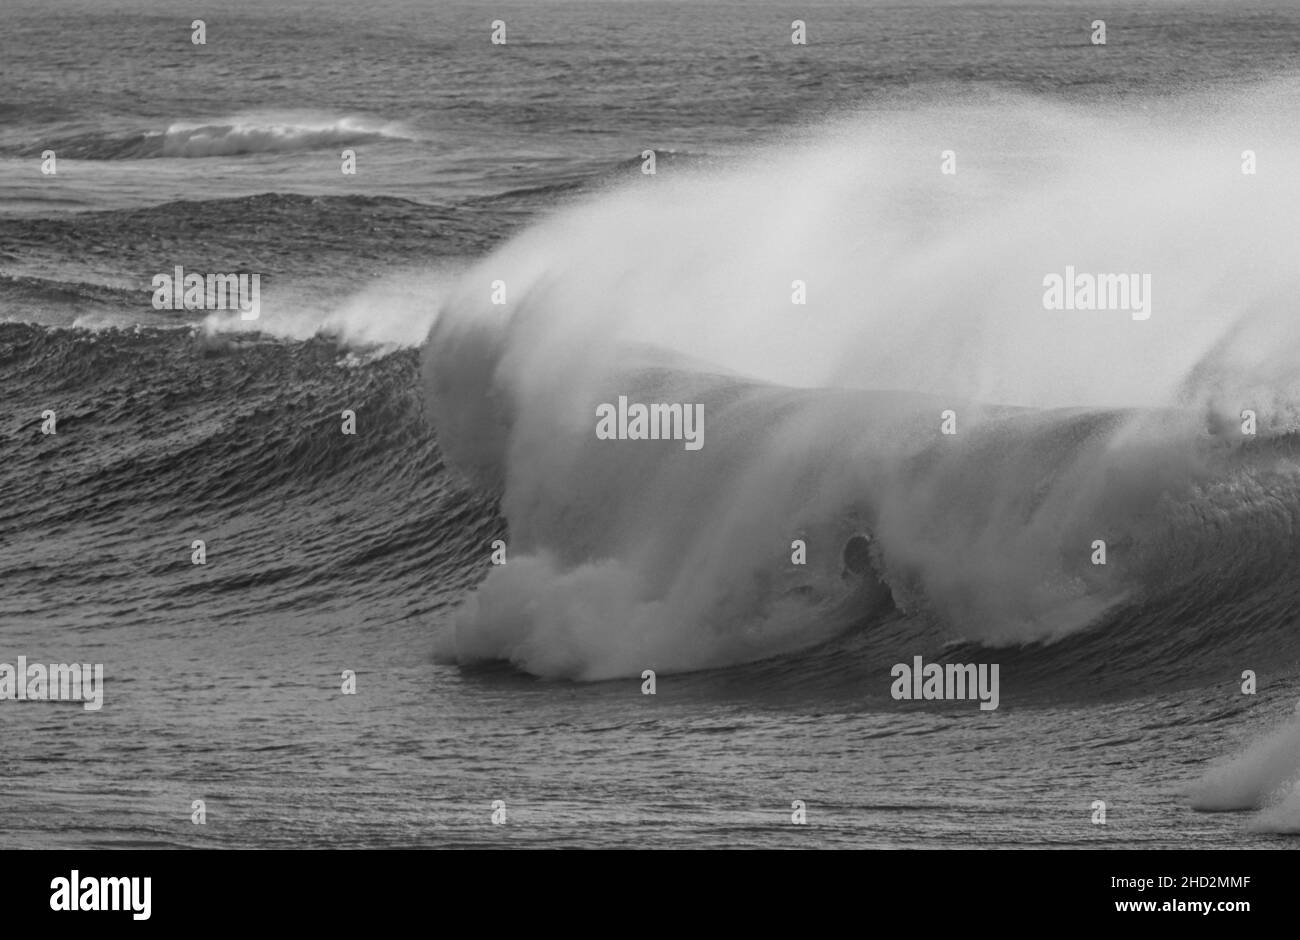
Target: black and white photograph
650,424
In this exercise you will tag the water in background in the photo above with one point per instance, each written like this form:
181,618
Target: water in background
328,552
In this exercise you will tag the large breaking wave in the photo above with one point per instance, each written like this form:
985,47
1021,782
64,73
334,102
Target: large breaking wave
822,420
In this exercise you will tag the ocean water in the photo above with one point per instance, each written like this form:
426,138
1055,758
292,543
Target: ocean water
522,682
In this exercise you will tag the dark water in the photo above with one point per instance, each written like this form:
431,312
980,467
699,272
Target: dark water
328,552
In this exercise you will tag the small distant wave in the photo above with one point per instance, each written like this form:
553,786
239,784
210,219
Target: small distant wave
228,137
48,265
21,292
221,139
393,313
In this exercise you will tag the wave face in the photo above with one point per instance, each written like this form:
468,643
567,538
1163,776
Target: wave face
924,294
235,440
